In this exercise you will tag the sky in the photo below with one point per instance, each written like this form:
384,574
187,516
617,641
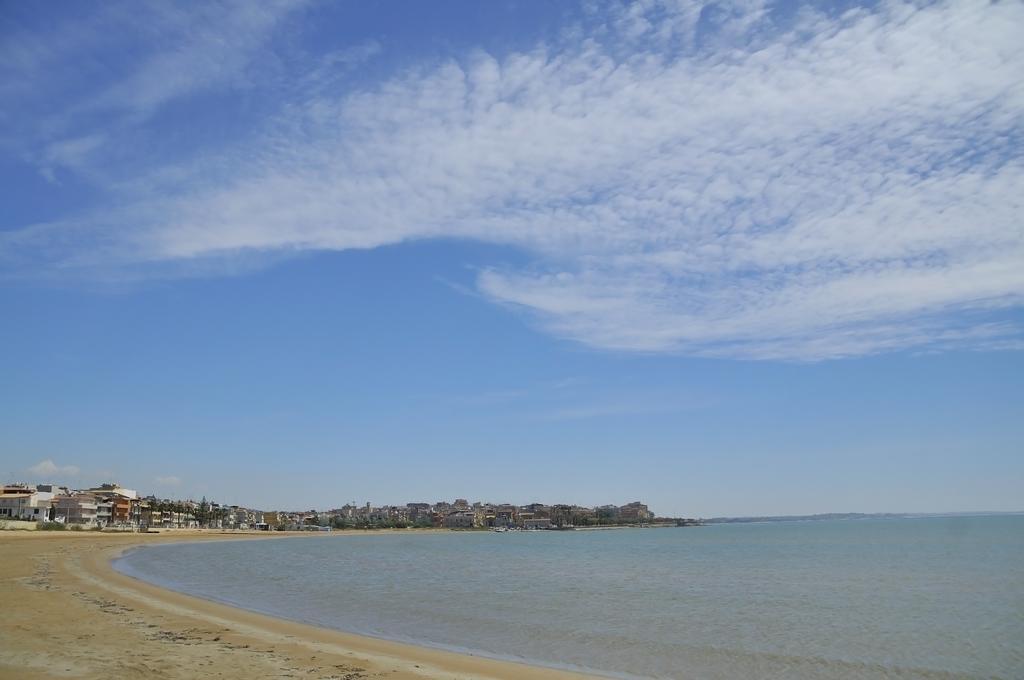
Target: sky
728,258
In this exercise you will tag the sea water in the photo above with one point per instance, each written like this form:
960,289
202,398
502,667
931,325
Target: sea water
929,597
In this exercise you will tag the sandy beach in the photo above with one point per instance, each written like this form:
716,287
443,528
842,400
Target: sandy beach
68,614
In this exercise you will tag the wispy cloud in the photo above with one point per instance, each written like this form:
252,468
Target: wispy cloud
210,45
179,52
47,468
710,180
68,153
169,480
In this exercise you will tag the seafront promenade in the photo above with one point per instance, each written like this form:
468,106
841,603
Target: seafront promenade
67,613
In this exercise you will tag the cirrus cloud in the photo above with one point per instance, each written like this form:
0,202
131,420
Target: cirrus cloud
708,179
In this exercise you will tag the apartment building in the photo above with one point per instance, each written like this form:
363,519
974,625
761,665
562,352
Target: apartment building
75,509
460,520
24,502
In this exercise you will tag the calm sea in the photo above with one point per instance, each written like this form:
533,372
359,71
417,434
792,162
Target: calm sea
929,598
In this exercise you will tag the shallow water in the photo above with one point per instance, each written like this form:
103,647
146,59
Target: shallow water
929,597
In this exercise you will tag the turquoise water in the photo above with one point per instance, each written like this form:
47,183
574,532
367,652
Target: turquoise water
928,598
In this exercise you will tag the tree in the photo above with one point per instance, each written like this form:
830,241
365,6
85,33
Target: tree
202,512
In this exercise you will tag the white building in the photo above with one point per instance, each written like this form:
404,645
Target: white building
26,506
25,502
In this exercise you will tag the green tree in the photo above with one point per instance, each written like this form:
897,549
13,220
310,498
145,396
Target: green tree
202,513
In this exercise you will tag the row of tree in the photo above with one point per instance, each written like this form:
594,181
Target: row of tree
204,513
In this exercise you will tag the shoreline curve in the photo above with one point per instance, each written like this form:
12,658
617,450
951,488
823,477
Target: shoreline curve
68,585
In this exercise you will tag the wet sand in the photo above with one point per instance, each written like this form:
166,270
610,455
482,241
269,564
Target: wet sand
67,614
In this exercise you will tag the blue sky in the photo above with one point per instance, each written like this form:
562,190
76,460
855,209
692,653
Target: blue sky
726,257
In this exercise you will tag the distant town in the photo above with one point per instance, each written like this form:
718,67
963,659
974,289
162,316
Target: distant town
111,506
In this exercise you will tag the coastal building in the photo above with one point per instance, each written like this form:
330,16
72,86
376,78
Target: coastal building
634,512
505,515
460,520
120,510
21,506
115,505
104,513
16,489
418,510
75,509
46,492
110,504
25,502
538,509
113,489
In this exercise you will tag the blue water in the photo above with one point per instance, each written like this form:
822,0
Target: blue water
928,598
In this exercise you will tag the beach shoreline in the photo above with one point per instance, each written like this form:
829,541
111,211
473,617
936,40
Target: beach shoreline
69,613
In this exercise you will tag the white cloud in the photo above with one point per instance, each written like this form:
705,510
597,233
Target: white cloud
688,179
69,153
175,52
169,480
47,468
209,45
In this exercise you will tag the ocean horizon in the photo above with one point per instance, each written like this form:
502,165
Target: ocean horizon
928,597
